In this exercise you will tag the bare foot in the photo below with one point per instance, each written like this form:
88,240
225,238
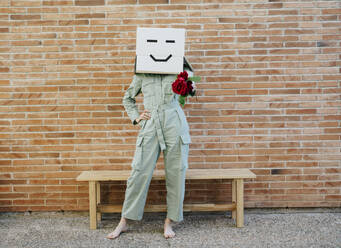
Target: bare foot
121,227
168,229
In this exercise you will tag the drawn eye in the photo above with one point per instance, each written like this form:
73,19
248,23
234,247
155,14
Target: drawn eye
152,41
170,41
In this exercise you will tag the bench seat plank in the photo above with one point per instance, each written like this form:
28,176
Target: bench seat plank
117,175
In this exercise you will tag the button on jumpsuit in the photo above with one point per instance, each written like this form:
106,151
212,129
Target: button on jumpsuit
167,130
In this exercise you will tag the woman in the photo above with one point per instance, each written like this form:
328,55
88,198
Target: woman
163,127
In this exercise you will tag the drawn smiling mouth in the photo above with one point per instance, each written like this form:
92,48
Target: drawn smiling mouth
161,60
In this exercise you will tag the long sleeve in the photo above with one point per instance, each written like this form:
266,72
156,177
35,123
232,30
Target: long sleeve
129,98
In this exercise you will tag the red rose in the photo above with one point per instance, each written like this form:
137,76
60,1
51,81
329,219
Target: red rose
179,86
184,87
189,88
183,75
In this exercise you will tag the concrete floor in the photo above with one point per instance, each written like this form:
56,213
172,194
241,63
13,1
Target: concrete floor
317,227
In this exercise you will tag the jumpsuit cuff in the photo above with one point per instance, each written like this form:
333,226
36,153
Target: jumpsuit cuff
140,123
133,117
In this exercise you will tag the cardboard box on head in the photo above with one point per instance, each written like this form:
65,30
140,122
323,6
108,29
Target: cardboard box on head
160,50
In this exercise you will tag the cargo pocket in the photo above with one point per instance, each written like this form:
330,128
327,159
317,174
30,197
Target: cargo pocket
136,165
185,141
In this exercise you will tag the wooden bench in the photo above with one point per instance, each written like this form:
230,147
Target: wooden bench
236,175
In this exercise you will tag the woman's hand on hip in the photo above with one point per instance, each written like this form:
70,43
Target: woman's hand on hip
144,116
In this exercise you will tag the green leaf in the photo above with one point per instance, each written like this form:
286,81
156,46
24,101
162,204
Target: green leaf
182,100
194,78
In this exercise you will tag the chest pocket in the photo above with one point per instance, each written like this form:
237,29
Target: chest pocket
168,81
168,93
168,88
148,87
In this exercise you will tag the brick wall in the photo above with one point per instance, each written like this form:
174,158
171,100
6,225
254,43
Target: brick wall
269,99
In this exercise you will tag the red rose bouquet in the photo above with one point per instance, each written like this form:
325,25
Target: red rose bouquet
184,86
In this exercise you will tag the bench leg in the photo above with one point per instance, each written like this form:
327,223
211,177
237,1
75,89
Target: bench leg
98,200
92,204
234,197
240,203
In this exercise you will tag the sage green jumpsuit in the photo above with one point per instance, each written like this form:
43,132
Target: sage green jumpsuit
167,130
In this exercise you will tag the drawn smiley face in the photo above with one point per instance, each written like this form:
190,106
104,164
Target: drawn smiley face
160,60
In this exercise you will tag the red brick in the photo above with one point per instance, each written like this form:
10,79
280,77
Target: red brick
89,2
29,202
233,19
86,16
57,3
153,1
25,17
28,188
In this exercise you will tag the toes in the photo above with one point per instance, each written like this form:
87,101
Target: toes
117,232
111,235
169,235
